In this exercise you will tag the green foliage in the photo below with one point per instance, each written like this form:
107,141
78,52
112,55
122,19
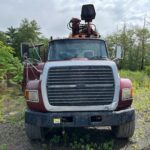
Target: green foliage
76,140
141,103
1,116
135,45
3,147
147,70
139,79
28,31
11,33
12,105
10,66
3,37
77,146
55,139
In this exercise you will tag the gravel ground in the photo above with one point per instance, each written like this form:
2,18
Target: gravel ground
13,137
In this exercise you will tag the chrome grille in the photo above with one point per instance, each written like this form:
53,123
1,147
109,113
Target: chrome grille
80,85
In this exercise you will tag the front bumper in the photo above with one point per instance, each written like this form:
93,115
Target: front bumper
79,119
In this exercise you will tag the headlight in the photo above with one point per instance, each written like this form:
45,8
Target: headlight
127,94
32,96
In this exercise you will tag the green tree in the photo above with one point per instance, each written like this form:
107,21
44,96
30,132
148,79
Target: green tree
135,45
143,36
11,33
3,37
10,66
28,31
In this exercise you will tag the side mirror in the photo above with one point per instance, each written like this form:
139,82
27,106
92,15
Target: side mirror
31,52
118,52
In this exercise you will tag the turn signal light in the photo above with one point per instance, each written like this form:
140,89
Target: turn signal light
132,92
26,94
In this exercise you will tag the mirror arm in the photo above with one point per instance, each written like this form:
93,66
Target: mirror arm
28,62
115,59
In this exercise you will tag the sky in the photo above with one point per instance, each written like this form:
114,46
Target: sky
53,15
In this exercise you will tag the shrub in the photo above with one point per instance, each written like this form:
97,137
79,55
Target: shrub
10,66
147,70
139,79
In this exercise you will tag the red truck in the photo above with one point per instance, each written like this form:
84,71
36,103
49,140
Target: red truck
76,84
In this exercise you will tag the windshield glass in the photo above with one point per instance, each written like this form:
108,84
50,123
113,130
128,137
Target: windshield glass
69,49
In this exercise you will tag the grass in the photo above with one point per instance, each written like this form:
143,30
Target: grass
82,139
142,106
141,103
3,147
12,106
139,79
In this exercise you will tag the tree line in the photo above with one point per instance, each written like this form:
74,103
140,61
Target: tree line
135,41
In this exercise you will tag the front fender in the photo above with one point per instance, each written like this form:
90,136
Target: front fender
38,106
124,83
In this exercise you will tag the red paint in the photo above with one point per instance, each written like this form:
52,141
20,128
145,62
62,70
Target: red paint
36,85
40,66
124,83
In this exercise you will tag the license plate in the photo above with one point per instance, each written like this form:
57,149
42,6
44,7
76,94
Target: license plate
56,120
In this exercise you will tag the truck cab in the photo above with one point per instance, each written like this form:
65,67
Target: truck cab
78,85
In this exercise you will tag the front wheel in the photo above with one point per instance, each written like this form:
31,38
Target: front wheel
34,132
124,130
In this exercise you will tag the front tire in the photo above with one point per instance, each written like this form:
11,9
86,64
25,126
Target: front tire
34,132
124,130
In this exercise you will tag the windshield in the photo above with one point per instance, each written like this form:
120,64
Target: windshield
77,48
